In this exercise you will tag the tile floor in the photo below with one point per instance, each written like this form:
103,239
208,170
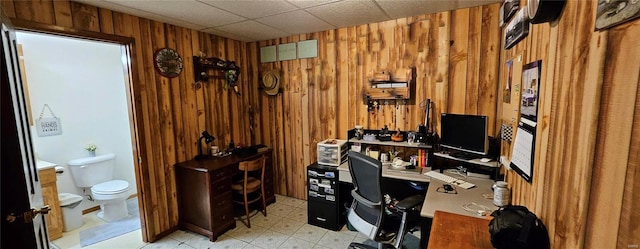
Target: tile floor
284,227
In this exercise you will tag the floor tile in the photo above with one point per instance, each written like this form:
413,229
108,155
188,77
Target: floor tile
265,222
295,243
336,240
299,214
246,234
310,233
199,242
291,201
183,236
286,226
279,209
270,239
128,240
164,243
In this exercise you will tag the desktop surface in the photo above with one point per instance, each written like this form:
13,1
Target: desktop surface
453,231
471,198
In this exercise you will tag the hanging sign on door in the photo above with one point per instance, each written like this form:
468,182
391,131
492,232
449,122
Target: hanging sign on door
48,126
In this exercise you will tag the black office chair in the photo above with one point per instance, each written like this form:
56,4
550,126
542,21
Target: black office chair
367,213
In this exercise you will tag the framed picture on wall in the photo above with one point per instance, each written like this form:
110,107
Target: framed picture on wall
508,76
517,29
508,8
530,90
614,12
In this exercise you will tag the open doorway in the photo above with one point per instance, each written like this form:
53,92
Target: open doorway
84,85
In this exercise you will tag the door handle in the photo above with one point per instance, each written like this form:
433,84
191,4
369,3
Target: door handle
29,215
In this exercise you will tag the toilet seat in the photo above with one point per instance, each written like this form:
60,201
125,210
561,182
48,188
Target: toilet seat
111,187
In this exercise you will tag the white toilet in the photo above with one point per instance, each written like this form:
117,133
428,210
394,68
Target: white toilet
97,173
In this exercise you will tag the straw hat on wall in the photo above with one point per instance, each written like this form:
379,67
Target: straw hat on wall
271,82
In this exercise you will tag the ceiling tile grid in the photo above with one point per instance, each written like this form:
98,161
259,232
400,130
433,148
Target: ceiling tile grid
257,20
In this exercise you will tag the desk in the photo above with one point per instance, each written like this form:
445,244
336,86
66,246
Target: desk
453,202
459,231
204,195
408,175
434,200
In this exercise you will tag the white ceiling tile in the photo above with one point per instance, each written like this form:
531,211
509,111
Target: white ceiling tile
309,3
296,22
252,8
349,13
404,8
276,18
228,35
189,11
254,30
115,6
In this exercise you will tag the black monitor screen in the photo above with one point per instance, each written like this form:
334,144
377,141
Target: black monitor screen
467,133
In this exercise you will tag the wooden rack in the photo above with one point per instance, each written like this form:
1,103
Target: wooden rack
387,85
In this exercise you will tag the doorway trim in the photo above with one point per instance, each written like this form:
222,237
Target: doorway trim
130,69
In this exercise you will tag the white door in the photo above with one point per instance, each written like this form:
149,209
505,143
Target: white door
23,209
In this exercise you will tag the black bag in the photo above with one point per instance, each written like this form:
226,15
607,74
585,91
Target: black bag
515,227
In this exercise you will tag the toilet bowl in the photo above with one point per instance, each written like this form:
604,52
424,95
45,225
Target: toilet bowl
97,173
111,196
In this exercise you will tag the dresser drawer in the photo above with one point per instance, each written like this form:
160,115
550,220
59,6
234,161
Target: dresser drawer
220,187
222,201
220,174
221,217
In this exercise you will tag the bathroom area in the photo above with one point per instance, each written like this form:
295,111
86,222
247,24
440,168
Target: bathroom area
81,126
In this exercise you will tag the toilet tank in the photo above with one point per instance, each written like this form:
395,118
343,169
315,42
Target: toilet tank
89,171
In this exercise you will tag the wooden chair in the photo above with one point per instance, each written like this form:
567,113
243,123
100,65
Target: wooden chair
249,185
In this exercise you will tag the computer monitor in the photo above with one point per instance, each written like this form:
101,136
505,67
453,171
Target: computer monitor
466,134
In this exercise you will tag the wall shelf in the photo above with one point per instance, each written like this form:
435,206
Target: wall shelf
386,85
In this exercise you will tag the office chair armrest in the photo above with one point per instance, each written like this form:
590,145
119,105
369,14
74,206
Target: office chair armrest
410,202
364,201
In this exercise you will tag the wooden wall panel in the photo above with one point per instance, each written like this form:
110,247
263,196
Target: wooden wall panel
331,88
587,86
586,154
614,160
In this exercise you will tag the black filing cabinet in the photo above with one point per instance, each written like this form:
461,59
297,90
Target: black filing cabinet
328,198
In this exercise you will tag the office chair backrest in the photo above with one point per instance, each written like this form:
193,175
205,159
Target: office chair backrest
368,207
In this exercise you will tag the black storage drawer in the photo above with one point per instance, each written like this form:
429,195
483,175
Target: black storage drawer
327,197
325,215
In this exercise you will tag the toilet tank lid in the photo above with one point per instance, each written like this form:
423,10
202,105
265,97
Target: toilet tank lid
90,160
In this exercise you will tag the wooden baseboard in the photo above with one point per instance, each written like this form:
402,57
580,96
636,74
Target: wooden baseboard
91,209
96,208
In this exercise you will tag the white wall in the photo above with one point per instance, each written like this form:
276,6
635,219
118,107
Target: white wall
84,84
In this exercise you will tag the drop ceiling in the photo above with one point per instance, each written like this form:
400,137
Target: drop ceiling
258,20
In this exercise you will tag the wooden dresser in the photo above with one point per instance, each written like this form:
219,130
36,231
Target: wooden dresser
204,192
50,197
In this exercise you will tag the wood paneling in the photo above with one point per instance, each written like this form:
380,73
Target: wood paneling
585,170
323,97
586,161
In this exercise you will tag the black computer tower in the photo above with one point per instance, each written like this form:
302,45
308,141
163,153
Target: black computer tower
328,198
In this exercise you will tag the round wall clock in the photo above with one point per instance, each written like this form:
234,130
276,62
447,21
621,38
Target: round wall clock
541,11
167,62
